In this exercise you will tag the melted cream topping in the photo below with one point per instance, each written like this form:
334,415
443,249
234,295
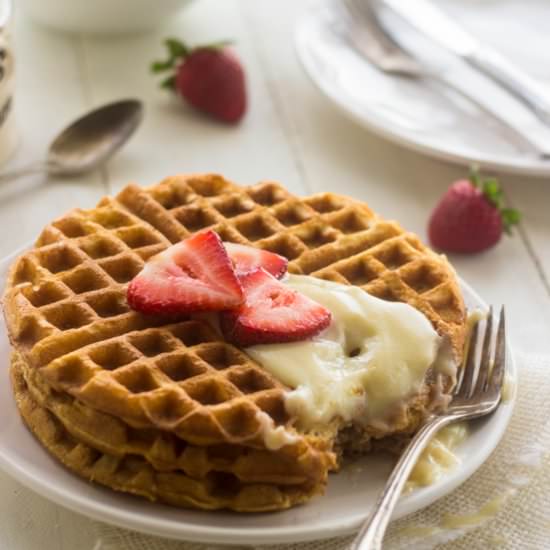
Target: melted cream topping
274,437
473,317
438,457
372,357
487,511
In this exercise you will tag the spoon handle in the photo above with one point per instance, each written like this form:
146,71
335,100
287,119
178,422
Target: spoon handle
16,173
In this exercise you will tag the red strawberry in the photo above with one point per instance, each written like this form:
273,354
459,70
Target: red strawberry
193,275
210,78
248,258
470,216
272,313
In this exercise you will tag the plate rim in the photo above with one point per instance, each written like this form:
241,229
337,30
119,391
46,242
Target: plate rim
167,528
396,136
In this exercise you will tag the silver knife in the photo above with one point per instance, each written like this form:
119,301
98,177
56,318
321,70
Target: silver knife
435,24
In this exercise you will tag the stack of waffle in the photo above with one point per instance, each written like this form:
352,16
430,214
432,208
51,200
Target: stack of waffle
165,408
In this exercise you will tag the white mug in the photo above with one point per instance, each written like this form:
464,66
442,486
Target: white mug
8,128
102,16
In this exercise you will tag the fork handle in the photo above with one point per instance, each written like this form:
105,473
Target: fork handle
371,534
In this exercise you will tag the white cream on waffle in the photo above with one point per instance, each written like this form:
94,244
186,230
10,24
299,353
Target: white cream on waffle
274,437
373,357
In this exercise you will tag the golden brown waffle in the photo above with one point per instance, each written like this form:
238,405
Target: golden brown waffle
213,489
163,450
67,314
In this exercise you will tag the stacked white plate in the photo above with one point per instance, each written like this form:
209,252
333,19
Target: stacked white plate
426,116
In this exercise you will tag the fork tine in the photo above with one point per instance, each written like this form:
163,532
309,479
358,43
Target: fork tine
484,365
460,377
466,382
497,375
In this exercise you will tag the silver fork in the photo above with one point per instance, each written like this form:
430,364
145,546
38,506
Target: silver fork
477,393
370,38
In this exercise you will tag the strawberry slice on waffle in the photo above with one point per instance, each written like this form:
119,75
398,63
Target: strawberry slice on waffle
272,313
193,275
247,258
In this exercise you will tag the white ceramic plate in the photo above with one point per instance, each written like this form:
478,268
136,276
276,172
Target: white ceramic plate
339,512
420,114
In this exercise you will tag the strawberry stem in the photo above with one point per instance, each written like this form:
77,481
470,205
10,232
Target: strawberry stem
176,48
493,193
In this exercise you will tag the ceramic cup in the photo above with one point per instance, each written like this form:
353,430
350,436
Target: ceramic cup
8,128
102,16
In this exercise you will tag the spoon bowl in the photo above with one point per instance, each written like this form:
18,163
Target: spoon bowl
88,142
93,138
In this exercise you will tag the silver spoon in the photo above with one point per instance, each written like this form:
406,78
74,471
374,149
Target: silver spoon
88,142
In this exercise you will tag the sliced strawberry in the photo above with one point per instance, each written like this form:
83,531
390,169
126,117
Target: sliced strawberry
193,275
247,259
272,313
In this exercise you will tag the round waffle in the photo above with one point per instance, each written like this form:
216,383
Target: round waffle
176,379
164,450
215,489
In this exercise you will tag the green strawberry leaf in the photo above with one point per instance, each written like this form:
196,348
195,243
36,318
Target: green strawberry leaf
491,189
510,217
474,176
169,83
493,193
162,66
176,48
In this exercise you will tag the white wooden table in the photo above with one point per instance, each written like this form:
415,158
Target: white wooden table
291,134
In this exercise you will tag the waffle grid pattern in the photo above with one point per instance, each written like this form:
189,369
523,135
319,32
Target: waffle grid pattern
73,322
161,449
133,474
67,315
325,235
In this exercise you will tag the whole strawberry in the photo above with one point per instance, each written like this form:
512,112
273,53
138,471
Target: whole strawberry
210,78
470,216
